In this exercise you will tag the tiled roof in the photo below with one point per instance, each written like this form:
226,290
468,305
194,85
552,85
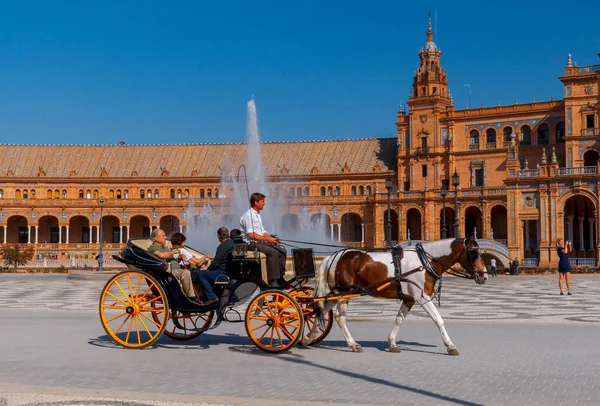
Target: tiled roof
197,160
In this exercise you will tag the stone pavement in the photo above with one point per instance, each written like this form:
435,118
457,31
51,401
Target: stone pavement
520,342
506,298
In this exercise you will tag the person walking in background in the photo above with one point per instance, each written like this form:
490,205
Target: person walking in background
515,266
564,267
493,267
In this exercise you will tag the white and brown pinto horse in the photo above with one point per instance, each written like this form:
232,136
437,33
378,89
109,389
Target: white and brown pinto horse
365,270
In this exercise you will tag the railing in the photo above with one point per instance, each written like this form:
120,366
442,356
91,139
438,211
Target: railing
529,262
494,245
490,145
473,146
496,191
587,69
590,131
582,261
507,144
528,173
578,170
72,263
543,141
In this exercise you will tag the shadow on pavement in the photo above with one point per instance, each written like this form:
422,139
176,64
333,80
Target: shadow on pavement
298,359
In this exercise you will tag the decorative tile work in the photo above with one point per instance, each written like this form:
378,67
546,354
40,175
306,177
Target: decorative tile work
32,216
64,216
124,216
514,124
94,215
569,123
553,217
2,215
563,190
530,200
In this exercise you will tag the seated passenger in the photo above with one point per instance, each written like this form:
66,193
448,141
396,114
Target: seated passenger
160,249
217,267
185,257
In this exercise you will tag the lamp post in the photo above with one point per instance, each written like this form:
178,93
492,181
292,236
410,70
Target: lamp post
101,202
444,193
455,183
388,223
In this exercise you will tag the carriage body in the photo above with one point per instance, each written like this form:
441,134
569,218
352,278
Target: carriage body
140,303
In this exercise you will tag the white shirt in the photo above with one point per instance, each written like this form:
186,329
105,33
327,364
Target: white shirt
250,222
493,262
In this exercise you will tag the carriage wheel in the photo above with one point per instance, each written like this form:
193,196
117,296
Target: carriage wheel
274,321
133,309
310,317
189,322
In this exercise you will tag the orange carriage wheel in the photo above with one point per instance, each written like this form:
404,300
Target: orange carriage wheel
134,309
190,322
274,321
310,317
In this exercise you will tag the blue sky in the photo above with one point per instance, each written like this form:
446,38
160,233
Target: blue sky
150,72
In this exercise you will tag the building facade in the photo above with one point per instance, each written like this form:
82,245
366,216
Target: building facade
527,174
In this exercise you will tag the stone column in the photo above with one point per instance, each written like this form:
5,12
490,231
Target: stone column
97,234
120,234
180,228
339,228
36,233
362,230
90,236
569,227
128,231
5,228
67,235
581,244
60,234
332,233
28,234
591,221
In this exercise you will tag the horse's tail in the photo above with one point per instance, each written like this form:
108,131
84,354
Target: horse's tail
322,285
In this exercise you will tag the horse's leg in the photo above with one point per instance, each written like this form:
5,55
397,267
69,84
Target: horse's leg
432,311
340,317
314,331
404,309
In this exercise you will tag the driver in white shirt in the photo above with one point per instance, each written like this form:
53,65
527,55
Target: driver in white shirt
257,238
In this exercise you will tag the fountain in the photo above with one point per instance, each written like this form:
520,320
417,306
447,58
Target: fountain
312,224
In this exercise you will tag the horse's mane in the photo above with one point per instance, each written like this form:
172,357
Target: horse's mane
439,248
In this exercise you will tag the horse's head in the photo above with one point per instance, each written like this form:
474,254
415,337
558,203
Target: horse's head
471,261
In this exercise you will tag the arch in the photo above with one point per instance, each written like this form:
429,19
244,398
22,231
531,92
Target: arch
186,193
17,194
368,189
329,191
48,229
179,194
306,191
580,225
17,229
543,134
525,134
49,194
149,194
507,131
156,195
449,222
353,191
79,229
337,191
322,190
499,222
321,222
290,223
172,193
490,138
125,194
361,190
25,194
413,224
142,194
474,139
139,226
110,228
351,228
201,193
590,158
111,194
292,192
1,193
57,194
394,222
473,221
170,224
560,132
298,191
562,200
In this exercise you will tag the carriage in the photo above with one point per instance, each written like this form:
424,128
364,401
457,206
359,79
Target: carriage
144,301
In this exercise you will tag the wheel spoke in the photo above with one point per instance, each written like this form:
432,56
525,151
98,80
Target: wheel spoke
261,326
125,295
118,299
123,323
265,333
149,319
144,324
116,317
288,335
129,329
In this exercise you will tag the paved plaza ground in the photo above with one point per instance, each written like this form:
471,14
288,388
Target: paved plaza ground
520,342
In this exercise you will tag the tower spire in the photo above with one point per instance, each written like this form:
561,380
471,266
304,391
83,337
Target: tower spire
429,30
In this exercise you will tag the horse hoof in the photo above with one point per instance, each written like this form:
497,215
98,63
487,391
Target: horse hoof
453,351
356,348
395,349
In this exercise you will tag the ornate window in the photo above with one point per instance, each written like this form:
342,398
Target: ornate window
322,190
80,193
57,194
186,193
111,194
156,193
507,132
306,191
353,190
299,191
64,193
525,135
88,194
368,189
17,194
49,194
543,134
149,194
33,193
119,194
490,138
179,194
96,195
126,194
209,193
474,139
337,190
201,193
291,192
477,173
1,193
25,194
172,193
329,191
361,190
142,194
216,193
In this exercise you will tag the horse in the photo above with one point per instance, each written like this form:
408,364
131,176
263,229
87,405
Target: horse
358,271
